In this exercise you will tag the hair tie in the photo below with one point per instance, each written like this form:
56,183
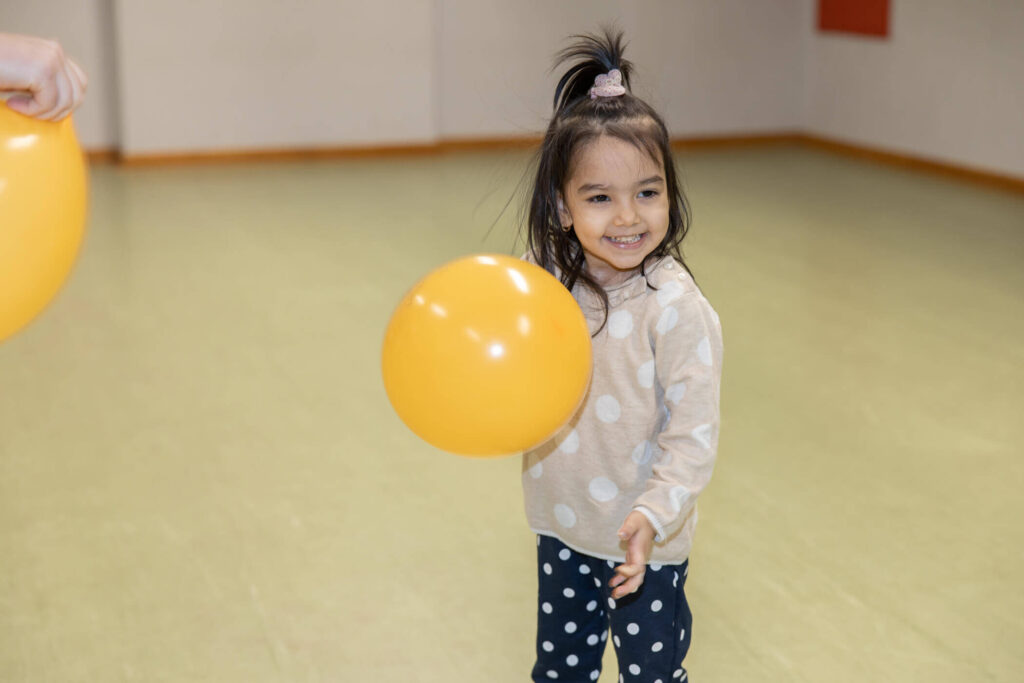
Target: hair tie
608,85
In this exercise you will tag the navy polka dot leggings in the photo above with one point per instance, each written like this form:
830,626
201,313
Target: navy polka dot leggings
650,628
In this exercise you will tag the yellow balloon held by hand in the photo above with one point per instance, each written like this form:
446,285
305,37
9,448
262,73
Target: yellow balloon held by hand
487,355
42,213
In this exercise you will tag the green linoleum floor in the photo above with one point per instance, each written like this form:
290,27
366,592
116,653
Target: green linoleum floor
201,478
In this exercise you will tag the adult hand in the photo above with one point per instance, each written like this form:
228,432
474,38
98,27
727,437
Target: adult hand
638,534
53,85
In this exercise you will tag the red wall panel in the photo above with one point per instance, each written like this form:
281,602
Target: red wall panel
865,17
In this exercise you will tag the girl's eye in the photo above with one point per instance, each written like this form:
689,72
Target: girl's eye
598,198
647,194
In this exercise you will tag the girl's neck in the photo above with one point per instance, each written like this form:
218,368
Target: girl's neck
608,277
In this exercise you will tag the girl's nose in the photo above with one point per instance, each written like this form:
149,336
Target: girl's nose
627,215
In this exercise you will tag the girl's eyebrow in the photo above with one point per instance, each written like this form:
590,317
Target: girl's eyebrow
591,187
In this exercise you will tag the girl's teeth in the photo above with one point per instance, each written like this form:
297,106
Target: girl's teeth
626,240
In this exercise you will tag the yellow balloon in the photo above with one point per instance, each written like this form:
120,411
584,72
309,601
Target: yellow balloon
487,355
42,213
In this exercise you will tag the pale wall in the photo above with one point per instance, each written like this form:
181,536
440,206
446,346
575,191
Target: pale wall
948,84
709,66
223,74
202,74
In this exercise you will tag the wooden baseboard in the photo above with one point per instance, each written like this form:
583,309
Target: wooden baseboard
222,156
454,145
974,175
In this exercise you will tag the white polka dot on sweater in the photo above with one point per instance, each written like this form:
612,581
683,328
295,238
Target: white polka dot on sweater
633,629
552,674
584,569
657,647
678,496
634,669
607,408
669,292
547,646
571,443
565,515
643,453
620,324
703,435
546,608
618,643
669,318
656,606
547,568
592,639
592,605
569,593
572,660
570,627
676,392
704,351
564,554
603,489
594,675
645,375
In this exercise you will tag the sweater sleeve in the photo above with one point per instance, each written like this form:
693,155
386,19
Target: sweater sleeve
688,367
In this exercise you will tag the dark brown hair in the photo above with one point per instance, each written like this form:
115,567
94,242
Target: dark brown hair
578,121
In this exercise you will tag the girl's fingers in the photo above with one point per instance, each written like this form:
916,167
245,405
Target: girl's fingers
630,586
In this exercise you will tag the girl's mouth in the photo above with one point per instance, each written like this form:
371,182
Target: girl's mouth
627,241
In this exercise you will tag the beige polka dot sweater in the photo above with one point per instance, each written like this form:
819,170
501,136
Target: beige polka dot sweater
646,434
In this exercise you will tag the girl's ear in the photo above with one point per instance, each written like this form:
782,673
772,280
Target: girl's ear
563,213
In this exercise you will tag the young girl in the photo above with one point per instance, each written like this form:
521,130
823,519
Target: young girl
612,497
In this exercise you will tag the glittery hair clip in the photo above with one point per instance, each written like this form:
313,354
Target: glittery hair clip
608,85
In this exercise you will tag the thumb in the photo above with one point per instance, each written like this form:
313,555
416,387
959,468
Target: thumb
627,530
24,105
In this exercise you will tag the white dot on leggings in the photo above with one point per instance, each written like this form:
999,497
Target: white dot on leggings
634,669
546,607
597,582
604,635
592,639
632,629
611,603
618,643
564,554
592,605
584,569
677,673
569,593
594,675
656,647
570,627
547,569
656,606
572,660
547,646
552,674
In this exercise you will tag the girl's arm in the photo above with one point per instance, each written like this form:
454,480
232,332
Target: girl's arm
688,365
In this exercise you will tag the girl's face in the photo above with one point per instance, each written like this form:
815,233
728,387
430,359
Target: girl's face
616,200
